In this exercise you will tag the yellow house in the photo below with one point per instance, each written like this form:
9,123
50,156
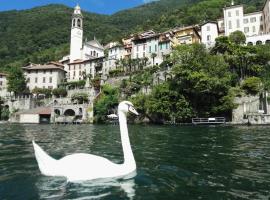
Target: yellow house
185,35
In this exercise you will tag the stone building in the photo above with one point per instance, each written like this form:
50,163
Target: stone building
44,76
255,26
3,85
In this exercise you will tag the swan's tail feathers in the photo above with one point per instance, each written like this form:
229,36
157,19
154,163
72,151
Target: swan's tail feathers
46,164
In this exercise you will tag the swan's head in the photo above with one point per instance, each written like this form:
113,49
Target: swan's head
126,107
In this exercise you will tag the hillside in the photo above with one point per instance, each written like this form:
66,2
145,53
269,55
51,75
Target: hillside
42,34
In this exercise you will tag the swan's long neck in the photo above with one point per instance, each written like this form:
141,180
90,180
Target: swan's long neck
129,160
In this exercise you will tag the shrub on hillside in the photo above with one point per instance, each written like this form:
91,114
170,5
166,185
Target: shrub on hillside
59,92
252,85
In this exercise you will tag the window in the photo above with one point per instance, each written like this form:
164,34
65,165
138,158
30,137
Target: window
50,79
50,71
246,29
44,79
36,80
80,66
229,14
160,46
74,73
230,24
69,67
150,49
144,47
155,48
246,21
237,13
254,29
144,54
208,37
36,71
73,22
208,28
137,56
137,48
238,23
44,71
1,83
74,67
253,19
167,45
79,23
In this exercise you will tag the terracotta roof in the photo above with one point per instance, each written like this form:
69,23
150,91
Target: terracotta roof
85,61
51,65
37,111
3,74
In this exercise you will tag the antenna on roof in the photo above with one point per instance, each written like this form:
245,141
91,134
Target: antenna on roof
232,3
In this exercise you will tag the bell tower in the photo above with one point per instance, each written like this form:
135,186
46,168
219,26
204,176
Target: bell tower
76,34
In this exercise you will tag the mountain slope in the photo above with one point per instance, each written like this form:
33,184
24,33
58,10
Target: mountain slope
43,33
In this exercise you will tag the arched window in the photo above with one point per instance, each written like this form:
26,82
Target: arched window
73,22
79,23
57,111
250,44
69,112
259,42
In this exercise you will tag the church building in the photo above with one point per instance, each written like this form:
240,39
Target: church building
83,55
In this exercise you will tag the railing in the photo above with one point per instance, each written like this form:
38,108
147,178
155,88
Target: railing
211,120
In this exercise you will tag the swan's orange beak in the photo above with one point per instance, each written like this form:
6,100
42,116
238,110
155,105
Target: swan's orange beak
132,110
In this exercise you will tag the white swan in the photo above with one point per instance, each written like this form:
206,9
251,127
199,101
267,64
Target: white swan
80,166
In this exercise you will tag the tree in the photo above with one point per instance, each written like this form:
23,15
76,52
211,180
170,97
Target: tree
237,37
79,98
16,81
59,92
252,85
203,79
106,103
153,56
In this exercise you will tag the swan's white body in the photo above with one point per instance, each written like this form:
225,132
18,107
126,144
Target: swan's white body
79,167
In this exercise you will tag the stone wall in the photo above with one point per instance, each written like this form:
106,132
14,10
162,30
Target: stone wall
248,104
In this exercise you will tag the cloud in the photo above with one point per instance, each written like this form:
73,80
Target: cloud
148,1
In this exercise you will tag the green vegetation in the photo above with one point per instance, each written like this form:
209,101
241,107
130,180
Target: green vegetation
42,91
252,85
106,103
59,92
16,81
73,84
202,83
79,98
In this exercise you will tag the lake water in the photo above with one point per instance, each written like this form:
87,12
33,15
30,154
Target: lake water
173,162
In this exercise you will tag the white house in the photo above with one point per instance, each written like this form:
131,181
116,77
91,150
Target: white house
116,52
209,33
44,76
81,69
3,84
146,45
255,26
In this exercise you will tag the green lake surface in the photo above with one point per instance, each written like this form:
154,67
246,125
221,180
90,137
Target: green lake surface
173,162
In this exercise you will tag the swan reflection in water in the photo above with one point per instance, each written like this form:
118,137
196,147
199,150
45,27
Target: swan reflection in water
58,188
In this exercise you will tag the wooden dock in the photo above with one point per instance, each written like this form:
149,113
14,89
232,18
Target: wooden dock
211,120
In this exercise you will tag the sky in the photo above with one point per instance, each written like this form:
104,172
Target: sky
96,6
